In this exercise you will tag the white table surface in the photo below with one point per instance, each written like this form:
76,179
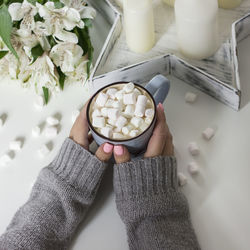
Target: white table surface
219,196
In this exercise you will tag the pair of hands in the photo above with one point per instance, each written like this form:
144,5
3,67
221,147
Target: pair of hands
160,143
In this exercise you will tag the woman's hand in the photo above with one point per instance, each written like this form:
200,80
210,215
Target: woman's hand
160,143
80,134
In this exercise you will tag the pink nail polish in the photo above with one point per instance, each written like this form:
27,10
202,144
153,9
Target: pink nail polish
107,148
118,150
160,106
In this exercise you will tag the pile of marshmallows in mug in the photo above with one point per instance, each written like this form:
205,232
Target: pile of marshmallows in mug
122,113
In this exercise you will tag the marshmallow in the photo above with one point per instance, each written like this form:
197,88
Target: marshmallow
15,145
118,130
109,103
149,112
106,131
193,148
190,97
142,100
118,104
101,99
129,98
121,121
119,95
52,121
134,133
118,136
111,122
111,93
182,179
96,112
148,120
98,122
136,92
143,126
127,129
74,115
50,132
129,87
5,159
136,121
208,133
193,168
129,110
36,131
113,113
149,104
104,112
139,110
1,122
44,150
39,102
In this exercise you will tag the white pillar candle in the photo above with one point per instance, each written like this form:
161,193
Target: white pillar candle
139,25
229,4
197,31
169,2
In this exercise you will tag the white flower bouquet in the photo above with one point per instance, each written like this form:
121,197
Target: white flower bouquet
44,43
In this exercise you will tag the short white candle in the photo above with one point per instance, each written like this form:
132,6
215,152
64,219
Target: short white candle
139,25
229,4
197,31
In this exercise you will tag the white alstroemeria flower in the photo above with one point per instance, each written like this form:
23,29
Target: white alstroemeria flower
66,56
80,6
61,21
41,74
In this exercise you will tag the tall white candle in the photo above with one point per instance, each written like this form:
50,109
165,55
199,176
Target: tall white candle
139,25
229,4
197,31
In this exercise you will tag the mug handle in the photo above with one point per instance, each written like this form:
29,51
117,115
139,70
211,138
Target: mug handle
159,87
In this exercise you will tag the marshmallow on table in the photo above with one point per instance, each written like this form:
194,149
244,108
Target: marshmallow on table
149,112
111,93
136,121
113,113
99,122
44,150
134,133
129,110
121,121
75,114
101,99
36,131
106,131
39,102
96,112
182,179
129,98
52,121
5,159
15,145
50,132
193,168
118,136
129,87
190,97
193,148
208,133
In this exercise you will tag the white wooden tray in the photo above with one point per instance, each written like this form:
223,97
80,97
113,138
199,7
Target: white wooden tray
218,75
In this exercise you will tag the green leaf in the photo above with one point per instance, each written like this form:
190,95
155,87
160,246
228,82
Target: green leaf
3,53
6,27
36,52
52,41
46,94
62,77
37,18
87,22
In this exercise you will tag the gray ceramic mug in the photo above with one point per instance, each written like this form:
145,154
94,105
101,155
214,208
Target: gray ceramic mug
157,89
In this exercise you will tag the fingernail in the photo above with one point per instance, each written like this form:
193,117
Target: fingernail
107,148
118,150
160,106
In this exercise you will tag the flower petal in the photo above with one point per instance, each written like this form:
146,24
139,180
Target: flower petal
16,12
66,36
87,12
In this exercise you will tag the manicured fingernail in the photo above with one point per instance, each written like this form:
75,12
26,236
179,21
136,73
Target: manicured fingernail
160,106
107,148
118,150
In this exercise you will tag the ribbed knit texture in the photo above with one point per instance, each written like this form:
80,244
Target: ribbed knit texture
59,201
150,204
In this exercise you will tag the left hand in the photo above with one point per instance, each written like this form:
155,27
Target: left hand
80,134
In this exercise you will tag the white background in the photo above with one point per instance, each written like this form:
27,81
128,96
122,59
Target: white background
219,196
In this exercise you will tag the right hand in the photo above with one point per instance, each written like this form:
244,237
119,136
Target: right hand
160,143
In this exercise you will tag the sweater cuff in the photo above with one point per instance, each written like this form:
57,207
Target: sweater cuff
145,177
77,166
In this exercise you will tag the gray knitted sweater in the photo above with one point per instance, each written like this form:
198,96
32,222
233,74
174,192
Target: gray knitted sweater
149,202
